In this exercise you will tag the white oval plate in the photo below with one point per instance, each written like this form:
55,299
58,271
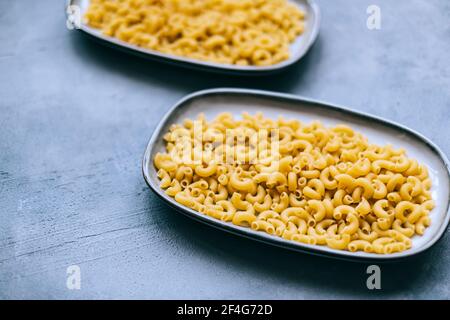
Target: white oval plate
379,131
297,49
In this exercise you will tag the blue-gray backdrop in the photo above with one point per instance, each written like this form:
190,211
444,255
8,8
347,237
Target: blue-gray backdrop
74,121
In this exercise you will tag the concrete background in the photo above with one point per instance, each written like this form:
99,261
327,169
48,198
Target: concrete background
74,121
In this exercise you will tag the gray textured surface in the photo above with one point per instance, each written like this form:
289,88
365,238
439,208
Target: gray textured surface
75,118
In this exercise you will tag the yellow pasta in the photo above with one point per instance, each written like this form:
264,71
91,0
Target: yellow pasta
240,32
303,182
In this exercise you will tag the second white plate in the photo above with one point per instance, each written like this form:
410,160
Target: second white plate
297,49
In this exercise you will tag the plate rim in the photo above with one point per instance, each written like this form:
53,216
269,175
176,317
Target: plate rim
276,241
206,65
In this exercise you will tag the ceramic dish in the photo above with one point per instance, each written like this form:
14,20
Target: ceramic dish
378,131
297,49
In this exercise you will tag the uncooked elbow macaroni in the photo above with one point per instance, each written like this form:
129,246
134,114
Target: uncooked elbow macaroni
241,32
302,182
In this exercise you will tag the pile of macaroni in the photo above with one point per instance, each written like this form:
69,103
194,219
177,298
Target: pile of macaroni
320,186
241,32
